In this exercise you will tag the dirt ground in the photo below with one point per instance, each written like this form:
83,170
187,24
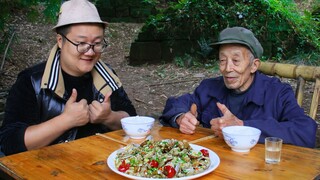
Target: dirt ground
148,86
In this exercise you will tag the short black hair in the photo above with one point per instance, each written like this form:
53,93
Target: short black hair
63,29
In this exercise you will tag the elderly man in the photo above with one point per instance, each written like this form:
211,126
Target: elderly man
71,95
242,96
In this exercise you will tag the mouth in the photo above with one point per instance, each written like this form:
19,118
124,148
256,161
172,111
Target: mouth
230,79
87,60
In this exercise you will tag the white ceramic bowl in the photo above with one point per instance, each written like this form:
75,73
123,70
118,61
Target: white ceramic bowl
241,138
137,127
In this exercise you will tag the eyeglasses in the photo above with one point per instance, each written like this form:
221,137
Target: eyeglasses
83,47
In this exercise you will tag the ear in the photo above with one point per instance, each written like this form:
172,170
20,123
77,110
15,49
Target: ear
59,40
255,65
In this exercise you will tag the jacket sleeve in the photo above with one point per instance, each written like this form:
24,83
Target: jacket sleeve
20,113
174,107
121,102
288,122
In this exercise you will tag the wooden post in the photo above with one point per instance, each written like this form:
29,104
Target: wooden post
315,100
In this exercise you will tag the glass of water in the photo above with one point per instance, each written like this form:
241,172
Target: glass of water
273,147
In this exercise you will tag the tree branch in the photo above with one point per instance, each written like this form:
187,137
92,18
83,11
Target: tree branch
5,52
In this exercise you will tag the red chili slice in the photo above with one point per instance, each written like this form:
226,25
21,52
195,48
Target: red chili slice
123,166
205,152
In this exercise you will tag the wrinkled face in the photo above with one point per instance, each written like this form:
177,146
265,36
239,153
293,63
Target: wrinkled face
236,67
73,62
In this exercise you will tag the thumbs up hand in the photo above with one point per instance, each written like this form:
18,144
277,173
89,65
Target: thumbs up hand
77,113
228,119
99,112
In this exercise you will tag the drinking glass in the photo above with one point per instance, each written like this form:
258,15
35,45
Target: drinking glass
273,147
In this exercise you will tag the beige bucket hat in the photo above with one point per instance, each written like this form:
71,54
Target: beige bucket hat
78,11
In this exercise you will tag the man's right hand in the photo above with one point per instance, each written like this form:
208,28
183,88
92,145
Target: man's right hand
187,123
77,113
74,114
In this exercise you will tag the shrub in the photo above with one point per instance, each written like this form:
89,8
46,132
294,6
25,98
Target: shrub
32,8
282,29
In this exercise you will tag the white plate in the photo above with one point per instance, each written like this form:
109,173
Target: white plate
214,158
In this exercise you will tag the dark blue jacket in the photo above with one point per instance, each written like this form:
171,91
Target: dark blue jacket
269,105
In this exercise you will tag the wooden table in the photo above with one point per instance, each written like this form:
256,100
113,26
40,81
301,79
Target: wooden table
86,159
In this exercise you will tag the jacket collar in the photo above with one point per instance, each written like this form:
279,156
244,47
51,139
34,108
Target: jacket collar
255,93
104,79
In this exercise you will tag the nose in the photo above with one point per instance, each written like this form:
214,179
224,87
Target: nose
229,66
90,52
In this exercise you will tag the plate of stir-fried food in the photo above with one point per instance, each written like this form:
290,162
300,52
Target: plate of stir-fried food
169,158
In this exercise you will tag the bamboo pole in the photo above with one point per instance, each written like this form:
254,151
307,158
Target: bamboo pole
308,73
300,90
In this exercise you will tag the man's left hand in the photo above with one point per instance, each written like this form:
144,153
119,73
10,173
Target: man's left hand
228,119
100,112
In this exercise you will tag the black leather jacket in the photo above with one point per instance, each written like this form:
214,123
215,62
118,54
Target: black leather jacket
39,95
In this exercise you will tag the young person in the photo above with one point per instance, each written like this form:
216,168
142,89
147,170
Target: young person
73,94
